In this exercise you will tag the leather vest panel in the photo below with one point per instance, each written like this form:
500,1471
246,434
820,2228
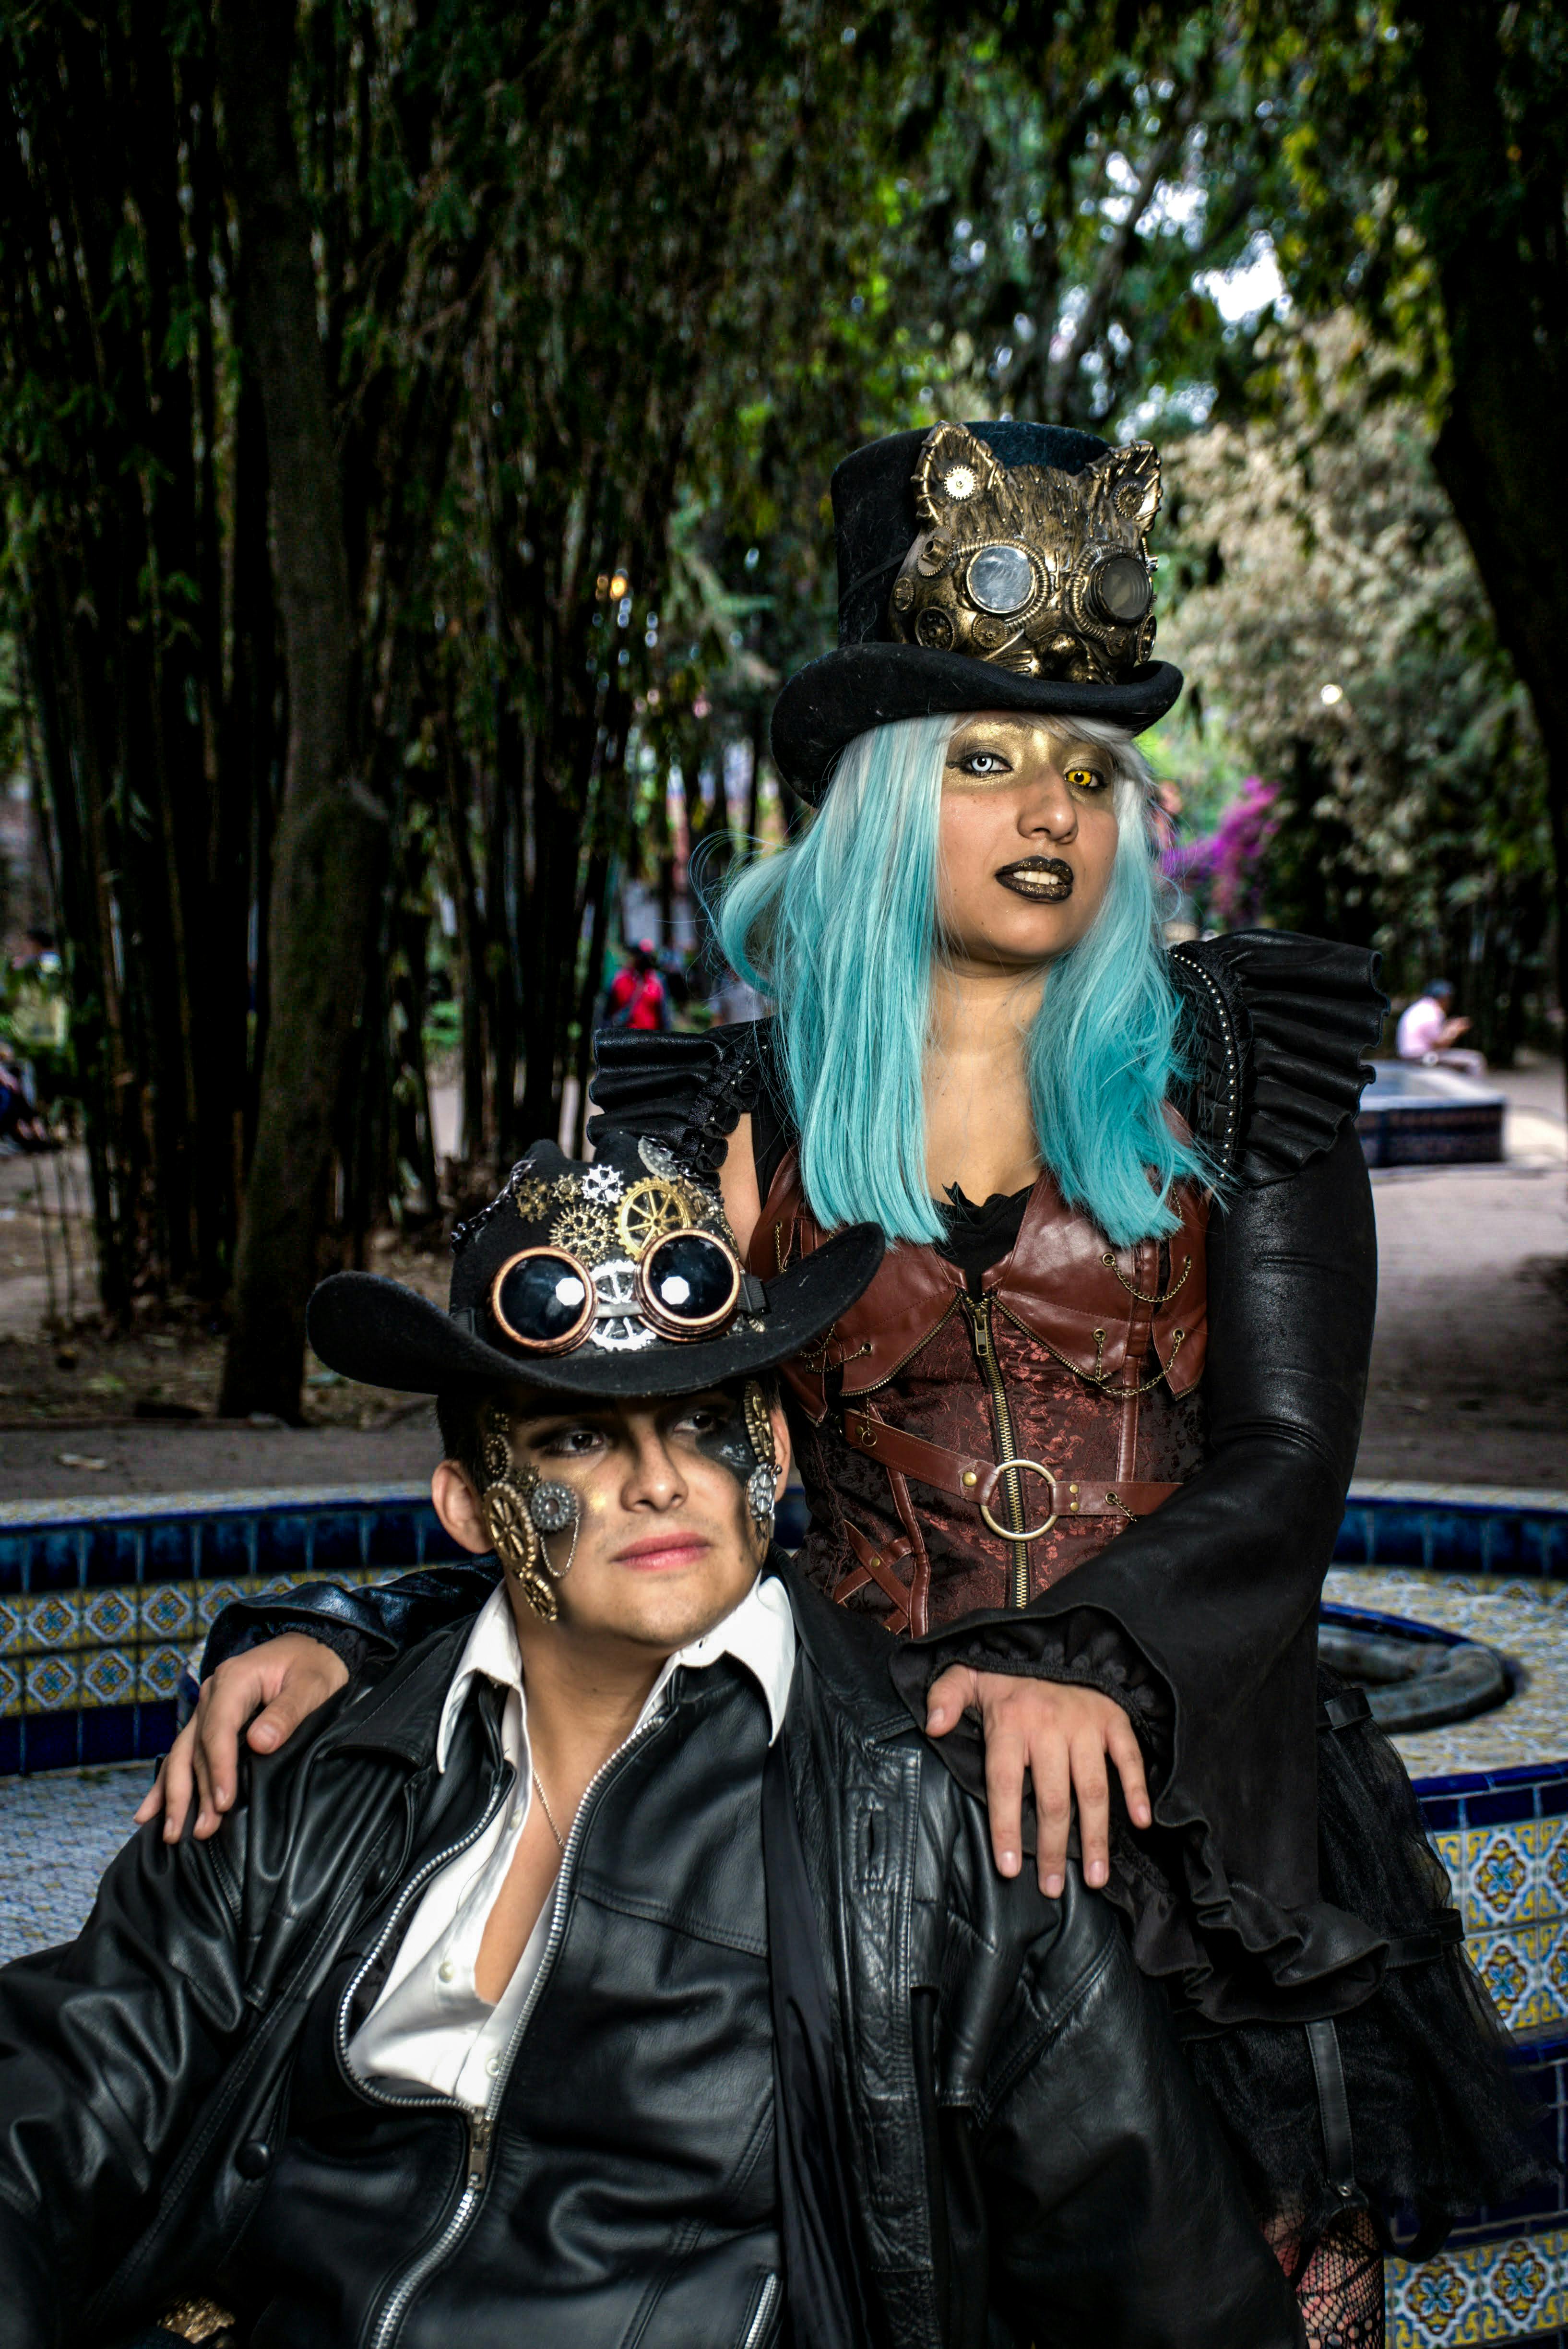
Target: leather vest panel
630,2191
1080,1361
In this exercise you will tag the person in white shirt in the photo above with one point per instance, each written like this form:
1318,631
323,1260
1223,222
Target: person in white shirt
622,1962
1429,1034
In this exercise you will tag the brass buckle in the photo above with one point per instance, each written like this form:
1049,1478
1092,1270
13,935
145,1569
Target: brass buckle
1035,1532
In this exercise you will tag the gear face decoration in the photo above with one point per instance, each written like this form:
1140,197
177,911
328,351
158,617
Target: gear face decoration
759,1425
508,1490
1043,572
602,1185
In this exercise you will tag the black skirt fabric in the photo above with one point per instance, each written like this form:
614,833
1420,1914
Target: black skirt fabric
1438,2127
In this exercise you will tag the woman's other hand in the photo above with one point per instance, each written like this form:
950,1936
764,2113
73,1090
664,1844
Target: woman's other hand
280,1684
1064,1737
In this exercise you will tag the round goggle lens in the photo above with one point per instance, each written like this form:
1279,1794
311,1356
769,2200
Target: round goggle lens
690,1277
541,1299
1122,589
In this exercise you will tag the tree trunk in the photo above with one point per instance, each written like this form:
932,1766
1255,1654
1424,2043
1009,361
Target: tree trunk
331,844
1503,306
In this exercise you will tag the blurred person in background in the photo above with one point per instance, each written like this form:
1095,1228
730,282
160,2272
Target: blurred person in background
638,997
1428,1033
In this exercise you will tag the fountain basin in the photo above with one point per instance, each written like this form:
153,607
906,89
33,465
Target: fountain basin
1416,1116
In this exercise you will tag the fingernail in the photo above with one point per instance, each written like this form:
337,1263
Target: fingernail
1008,1863
265,1736
1096,1872
168,1835
1142,1815
1053,1887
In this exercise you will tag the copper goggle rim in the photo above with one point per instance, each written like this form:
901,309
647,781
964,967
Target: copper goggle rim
1005,1532
660,1317
580,1328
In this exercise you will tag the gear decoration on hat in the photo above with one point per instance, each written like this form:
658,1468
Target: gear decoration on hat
584,1230
602,1185
531,1197
619,1327
1043,572
657,1159
650,1210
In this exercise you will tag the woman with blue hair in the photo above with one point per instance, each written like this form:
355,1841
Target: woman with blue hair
1083,1445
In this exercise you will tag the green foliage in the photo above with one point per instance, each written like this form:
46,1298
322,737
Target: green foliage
1346,648
606,295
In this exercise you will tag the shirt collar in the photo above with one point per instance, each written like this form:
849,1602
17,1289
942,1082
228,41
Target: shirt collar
759,1634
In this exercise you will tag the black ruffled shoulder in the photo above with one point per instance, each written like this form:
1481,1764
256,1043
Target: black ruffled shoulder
1275,1029
689,1091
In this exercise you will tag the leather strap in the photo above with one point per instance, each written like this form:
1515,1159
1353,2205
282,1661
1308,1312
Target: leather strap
874,1564
971,1479
1334,2112
1446,1931
1346,1711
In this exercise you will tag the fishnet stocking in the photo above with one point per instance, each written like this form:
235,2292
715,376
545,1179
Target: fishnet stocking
1339,2287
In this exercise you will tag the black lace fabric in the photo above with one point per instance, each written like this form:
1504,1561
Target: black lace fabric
1338,2284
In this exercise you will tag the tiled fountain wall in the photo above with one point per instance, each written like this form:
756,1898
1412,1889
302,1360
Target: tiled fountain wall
99,1614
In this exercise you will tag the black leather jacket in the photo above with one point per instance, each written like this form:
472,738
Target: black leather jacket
1202,1619
1024,2154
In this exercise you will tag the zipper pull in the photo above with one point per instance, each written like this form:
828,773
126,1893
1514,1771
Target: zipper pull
979,1311
481,2129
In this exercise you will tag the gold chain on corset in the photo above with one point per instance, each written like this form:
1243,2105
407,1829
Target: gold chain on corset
1102,1378
1108,1260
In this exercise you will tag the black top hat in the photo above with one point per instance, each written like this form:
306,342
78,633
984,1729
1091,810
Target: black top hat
619,1277
982,566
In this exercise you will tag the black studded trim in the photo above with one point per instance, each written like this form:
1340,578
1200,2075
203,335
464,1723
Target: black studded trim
1275,1032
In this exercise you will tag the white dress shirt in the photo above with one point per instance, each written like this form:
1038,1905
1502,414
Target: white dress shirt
430,2027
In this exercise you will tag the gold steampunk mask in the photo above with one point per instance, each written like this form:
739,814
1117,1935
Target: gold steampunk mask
521,1511
1043,572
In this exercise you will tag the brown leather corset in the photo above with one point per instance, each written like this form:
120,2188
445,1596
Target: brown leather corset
966,1452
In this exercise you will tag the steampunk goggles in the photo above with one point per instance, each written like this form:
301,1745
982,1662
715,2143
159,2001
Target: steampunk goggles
688,1285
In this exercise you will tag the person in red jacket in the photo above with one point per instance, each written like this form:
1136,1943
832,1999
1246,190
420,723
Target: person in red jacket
637,997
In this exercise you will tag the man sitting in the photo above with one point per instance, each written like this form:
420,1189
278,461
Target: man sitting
621,1964
1426,1033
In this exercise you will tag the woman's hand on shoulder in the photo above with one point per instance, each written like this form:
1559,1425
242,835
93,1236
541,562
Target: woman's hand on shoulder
274,1687
1064,1737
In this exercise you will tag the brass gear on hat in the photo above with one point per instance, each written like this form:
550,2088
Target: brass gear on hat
530,1197
650,1210
584,1230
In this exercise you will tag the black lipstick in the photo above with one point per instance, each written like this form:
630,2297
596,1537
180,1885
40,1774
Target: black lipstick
1048,878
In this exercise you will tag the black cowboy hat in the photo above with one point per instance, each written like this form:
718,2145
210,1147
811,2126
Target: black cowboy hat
598,1225
882,501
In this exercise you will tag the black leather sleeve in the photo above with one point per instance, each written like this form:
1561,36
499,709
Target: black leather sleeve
1115,2213
366,1624
1214,1598
107,2048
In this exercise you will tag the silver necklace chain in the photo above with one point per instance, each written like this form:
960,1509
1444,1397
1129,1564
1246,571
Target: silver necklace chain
549,1814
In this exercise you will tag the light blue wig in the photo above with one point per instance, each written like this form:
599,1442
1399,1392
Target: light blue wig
842,929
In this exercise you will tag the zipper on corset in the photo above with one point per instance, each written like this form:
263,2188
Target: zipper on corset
978,1309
